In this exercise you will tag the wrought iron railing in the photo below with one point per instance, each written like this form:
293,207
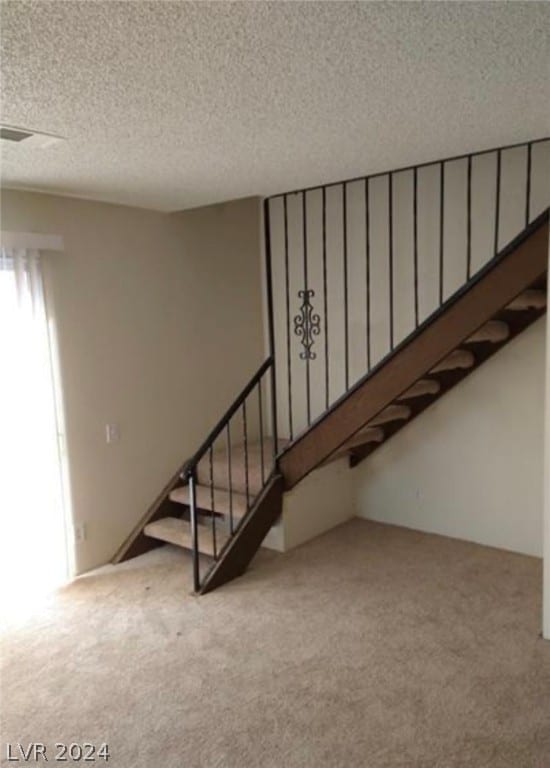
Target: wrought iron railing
223,461
359,265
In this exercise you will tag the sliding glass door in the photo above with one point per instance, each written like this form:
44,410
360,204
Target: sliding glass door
33,540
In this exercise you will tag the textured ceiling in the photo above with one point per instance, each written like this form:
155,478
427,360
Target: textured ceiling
176,104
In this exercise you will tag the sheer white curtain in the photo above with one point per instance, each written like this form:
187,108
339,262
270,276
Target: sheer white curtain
33,546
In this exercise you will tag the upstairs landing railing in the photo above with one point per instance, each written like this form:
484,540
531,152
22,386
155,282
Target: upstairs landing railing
358,265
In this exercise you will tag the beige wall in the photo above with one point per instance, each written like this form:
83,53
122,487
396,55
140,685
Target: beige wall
323,500
159,324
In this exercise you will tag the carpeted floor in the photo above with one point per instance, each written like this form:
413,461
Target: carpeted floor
370,647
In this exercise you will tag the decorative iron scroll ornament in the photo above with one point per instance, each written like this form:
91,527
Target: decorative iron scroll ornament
307,324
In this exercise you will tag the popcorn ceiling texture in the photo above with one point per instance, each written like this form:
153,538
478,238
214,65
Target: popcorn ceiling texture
179,104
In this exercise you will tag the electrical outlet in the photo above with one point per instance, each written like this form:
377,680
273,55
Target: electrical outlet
112,433
80,532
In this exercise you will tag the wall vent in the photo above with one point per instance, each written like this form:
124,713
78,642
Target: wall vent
28,138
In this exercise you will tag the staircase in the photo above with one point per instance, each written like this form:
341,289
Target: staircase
502,301
221,503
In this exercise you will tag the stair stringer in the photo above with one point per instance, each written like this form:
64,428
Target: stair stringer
241,548
137,543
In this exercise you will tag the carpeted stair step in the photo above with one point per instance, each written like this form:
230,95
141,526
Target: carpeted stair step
369,435
533,298
391,413
421,388
217,500
494,331
238,455
176,531
459,358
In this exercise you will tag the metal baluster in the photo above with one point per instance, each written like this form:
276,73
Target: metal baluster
441,227
287,290
194,528
497,203
274,415
306,288
230,473
469,221
367,265
245,435
415,235
325,294
212,506
345,256
390,244
271,329
528,187
261,430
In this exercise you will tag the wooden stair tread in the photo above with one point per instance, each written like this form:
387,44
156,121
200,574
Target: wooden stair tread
178,532
222,500
459,358
420,388
533,298
391,413
494,331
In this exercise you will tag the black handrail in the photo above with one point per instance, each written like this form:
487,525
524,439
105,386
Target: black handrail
222,423
191,472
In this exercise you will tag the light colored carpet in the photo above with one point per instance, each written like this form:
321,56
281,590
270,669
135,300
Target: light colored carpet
370,647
